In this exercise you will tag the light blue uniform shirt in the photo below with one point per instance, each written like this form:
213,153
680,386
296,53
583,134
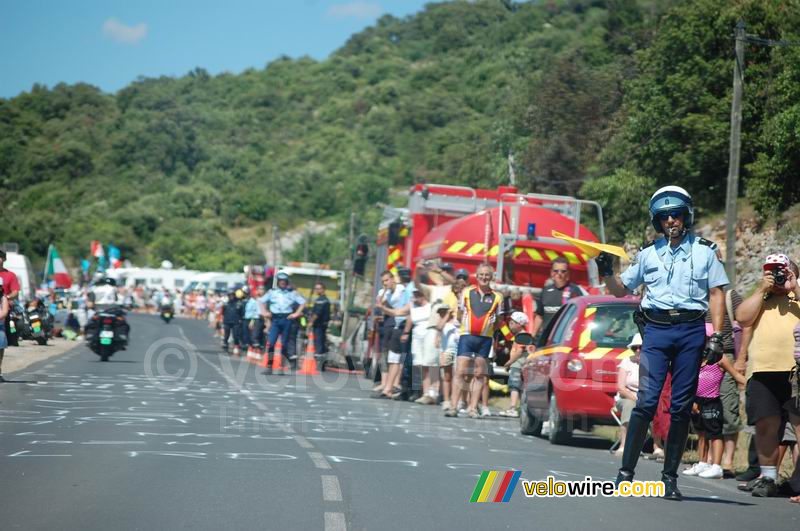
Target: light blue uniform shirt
251,309
678,278
282,300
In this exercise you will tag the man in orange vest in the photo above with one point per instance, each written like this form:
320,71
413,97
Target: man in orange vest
478,312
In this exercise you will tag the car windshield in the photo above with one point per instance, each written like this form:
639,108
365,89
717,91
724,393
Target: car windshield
613,325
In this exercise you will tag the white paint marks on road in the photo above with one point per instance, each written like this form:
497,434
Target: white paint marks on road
319,460
27,453
190,455
113,442
336,439
262,457
341,459
303,442
330,489
335,522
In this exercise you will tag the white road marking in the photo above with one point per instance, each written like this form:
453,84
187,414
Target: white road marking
330,489
303,442
319,460
341,458
27,453
335,522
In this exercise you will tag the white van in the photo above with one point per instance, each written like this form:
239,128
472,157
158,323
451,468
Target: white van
21,266
216,281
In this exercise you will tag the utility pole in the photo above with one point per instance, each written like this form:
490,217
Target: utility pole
305,247
734,155
349,277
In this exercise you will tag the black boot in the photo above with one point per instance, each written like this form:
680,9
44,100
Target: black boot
676,443
634,441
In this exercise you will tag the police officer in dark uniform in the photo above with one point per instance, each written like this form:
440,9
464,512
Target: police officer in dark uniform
683,279
320,317
232,312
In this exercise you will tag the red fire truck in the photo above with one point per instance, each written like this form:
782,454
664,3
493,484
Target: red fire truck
512,231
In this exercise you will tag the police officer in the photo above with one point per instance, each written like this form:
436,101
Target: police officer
320,316
683,278
282,305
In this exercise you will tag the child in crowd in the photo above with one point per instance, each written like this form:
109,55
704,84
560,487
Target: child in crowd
448,346
707,418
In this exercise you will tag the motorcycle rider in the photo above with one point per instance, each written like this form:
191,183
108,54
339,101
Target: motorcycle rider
104,297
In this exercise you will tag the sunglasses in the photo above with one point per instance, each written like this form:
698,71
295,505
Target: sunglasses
560,271
674,214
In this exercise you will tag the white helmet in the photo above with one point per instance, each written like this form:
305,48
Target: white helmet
671,198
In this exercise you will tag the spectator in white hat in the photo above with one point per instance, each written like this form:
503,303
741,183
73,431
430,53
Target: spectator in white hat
627,387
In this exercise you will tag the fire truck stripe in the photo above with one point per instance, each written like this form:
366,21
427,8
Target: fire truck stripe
518,251
572,258
552,255
597,353
494,250
586,338
627,353
589,312
475,249
457,246
533,253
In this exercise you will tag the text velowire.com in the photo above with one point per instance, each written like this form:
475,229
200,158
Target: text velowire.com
589,488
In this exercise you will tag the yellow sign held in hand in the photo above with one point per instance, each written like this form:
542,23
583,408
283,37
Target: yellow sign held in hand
592,249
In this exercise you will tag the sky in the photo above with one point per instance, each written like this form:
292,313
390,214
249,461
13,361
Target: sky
109,43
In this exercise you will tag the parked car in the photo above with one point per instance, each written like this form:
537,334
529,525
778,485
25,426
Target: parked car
570,380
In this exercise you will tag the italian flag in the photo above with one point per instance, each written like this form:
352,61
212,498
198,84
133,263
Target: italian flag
56,270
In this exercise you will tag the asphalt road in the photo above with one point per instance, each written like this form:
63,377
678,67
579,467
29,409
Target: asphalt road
173,434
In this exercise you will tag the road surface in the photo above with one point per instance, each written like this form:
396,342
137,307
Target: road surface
173,434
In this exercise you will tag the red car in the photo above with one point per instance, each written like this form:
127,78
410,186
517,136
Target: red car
571,378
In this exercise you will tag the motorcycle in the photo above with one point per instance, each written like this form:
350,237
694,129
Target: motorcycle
38,322
166,313
107,332
15,324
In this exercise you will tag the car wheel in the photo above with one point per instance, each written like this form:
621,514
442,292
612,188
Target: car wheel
560,428
529,424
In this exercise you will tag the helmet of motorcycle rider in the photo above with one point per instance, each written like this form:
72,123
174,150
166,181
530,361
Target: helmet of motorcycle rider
669,199
238,293
282,275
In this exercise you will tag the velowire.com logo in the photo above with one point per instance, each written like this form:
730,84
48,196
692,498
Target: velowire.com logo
494,486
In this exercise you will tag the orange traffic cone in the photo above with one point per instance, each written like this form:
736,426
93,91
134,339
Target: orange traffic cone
277,359
265,359
310,359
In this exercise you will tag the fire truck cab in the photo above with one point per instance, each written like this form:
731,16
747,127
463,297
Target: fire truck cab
511,231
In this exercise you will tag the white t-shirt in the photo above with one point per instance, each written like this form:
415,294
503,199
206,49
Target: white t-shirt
420,315
450,336
632,378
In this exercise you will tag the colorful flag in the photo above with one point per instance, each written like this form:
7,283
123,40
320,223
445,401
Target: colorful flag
56,270
114,256
97,249
494,486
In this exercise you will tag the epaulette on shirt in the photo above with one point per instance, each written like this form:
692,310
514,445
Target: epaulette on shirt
703,241
645,246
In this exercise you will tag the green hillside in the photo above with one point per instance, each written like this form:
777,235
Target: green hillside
600,98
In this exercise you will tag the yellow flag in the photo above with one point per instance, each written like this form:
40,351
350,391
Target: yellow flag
592,249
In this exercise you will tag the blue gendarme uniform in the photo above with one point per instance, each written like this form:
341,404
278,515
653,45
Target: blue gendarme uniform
280,303
677,283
